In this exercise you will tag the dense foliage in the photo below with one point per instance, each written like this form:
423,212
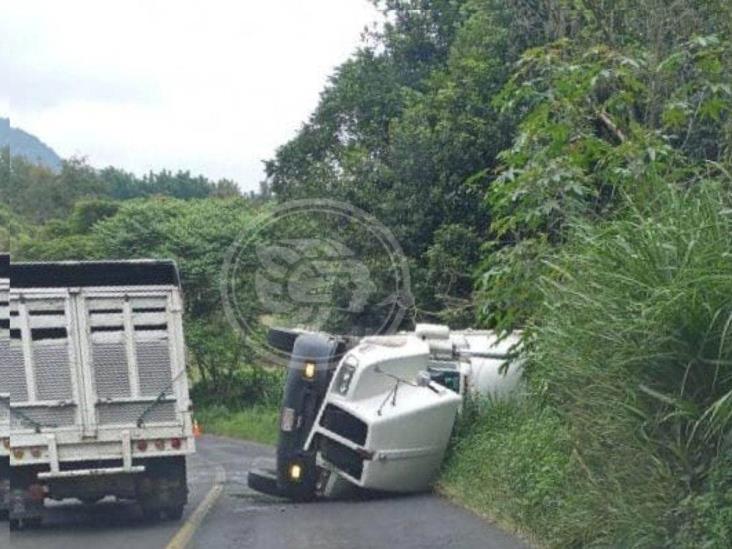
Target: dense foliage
39,194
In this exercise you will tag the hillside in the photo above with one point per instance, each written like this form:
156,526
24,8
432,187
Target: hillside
28,146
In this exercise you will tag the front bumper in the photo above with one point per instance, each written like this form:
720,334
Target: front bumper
51,450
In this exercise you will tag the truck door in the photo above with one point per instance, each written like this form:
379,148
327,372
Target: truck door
42,375
128,357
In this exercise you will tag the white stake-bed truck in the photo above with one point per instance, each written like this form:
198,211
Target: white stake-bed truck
377,413
99,402
4,394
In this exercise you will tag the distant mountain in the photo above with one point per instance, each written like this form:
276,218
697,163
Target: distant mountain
28,146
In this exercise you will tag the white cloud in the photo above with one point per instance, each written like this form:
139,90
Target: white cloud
212,86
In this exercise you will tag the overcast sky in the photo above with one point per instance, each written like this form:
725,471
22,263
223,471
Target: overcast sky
211,86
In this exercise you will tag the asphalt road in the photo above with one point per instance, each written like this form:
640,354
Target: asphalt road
241,518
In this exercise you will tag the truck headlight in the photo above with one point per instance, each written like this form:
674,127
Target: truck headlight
345,376
308,371
295,472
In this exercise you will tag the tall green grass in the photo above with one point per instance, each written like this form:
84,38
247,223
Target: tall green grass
246,406
630,369
256,423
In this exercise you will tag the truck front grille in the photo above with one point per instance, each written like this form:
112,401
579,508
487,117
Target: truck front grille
349,461
344,424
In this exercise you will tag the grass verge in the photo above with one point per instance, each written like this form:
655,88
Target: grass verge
258,423
625,436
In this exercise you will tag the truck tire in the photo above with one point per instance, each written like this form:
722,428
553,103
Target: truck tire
150,511
162,489
25,511
174,513
282,339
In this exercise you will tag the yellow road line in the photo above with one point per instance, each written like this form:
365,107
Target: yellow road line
183,537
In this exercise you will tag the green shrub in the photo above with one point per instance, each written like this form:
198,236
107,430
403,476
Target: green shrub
634,348
706,517
624,437
512,461
258,423
244,388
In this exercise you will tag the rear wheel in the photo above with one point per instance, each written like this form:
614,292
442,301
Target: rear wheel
162,489
174,513
282,339
26,498
150,512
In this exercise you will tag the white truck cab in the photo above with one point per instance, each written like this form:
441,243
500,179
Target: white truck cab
382,425
378,413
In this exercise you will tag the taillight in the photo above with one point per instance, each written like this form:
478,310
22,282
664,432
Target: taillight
176,443
18,453
142,445
37,492
160,445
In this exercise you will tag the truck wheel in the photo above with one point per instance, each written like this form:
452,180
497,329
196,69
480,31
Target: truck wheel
26,509
150,512
282,339
163,489
174,513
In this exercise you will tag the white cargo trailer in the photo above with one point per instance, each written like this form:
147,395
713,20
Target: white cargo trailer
99,402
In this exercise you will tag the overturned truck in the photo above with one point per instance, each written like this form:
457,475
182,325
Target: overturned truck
377,413
95,374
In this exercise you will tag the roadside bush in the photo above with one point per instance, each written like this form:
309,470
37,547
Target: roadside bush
706,518
625,436
512,462
634,348
246,387
255,423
